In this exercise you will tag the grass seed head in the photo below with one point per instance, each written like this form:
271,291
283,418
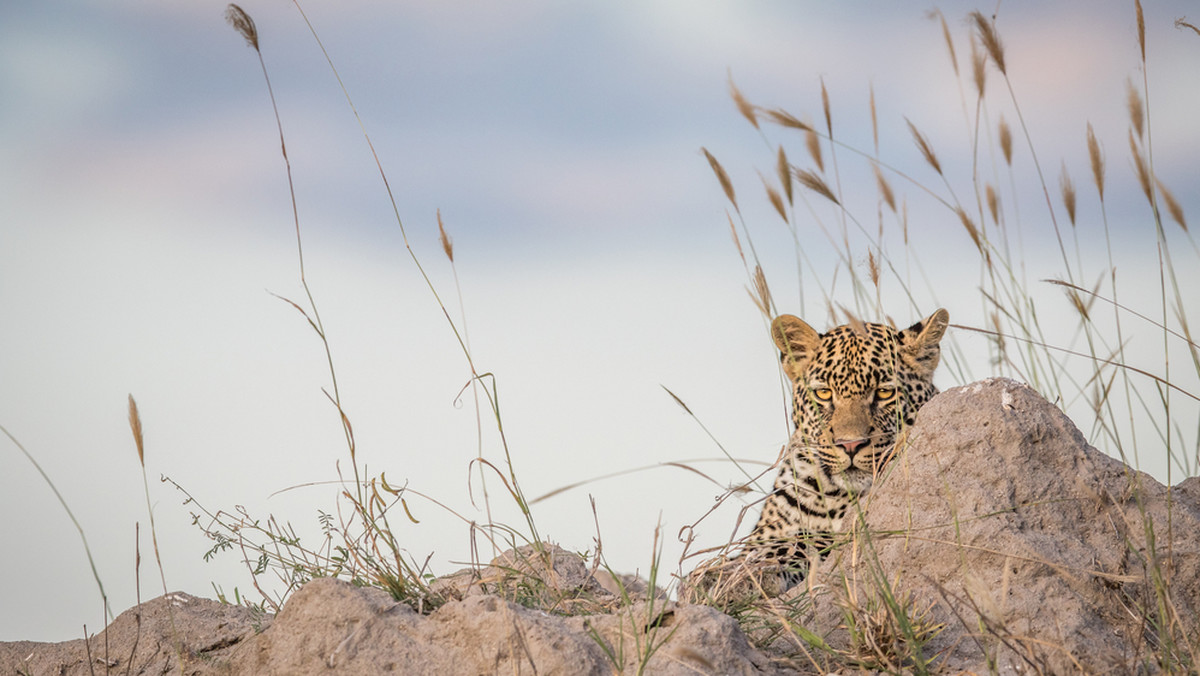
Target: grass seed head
1137,114
784,169
978,68
722,178
1141,29
744,107
825,107
1097,160
775,199
885,189
1068,193
242,23
1173,207
874,122
813,143
1139,164
135,425
762,293
447,243
990,39
1006,141
993,203
972,230
924,147
816,184
786,119
946,36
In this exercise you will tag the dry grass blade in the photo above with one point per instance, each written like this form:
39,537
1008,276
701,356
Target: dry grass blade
744,107
1067,187
1173,206
924,147
242,23
816,184
786,119
972,230
825,107
135,424
1139,164
993,203
447,243
873,268
722,178
1006,141
885,189
1181,24
990,39
813,143
784,170
1097,160
978,68
1137,114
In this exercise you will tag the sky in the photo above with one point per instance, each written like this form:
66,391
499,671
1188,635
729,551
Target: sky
146,235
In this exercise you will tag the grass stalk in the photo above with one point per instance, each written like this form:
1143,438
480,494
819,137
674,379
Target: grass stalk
87,550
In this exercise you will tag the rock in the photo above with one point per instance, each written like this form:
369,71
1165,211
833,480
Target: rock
331,625
1031,546
154,637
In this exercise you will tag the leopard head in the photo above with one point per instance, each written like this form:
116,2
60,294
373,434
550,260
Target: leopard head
855,388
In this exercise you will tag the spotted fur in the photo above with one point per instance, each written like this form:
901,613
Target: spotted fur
855,389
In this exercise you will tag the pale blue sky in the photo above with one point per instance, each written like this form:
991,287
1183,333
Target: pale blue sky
144,217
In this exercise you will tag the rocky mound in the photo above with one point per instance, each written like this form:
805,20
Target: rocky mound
1036,551
332,626
1011,545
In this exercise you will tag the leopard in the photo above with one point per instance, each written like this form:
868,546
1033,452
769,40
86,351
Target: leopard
856,390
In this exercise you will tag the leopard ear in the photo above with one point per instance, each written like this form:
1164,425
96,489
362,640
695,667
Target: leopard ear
919,342
797,343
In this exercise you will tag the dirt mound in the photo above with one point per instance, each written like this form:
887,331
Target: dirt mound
147,639
1013,545
1036,550
332,626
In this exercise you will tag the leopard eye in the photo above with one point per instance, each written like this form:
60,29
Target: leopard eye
884,394
823,393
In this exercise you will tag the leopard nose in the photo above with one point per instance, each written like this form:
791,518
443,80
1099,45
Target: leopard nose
852,446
